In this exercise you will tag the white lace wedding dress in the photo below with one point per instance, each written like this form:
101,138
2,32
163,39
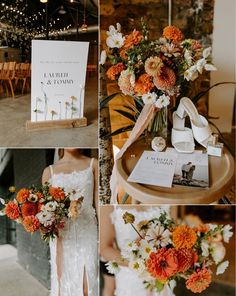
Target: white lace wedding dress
127,282
79,240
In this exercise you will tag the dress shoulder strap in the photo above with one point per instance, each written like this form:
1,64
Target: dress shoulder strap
91,163
51,170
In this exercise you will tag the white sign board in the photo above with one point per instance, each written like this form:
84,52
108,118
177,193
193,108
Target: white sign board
58,79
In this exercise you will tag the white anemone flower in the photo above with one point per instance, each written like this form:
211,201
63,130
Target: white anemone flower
51,206
222,267
159,235
227,233
112,267
149,98
146,248
162,101
217,251
103,57
115,41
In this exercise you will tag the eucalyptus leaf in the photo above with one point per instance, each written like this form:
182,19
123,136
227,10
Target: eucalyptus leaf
105,101
119,131
126,114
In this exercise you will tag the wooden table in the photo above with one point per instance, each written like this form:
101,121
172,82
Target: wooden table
221,178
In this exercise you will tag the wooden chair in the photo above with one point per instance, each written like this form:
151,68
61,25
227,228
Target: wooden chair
22,74
8,75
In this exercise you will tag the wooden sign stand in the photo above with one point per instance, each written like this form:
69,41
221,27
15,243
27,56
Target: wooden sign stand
55,124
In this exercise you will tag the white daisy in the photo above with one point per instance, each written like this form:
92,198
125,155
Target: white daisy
146,248
50,206
159,235
112,267
138,266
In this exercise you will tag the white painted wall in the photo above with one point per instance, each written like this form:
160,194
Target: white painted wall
221,99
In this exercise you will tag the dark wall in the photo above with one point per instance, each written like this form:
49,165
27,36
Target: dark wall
33,253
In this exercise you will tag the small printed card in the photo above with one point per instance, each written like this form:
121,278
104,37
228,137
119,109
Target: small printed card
191,169
154,168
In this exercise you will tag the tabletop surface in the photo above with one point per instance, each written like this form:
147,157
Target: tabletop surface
221,178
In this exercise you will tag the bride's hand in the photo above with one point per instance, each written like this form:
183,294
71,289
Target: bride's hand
74,209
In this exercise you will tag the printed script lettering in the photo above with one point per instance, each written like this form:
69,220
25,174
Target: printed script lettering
163,161
57,78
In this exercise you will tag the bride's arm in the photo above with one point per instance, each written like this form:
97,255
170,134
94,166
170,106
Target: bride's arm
46,175
107,237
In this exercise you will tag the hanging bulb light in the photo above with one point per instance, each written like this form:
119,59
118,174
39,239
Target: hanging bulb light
84,27
44,1
62,10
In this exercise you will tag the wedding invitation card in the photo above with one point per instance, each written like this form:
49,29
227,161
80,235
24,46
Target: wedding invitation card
154,168
58,79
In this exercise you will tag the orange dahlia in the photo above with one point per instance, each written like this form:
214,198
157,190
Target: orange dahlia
22,195
31,223
186,259
166,79
57,193
12,210
115,70
153,66
29,209
132,39
199,281
163,264
184,237
172,33
144,84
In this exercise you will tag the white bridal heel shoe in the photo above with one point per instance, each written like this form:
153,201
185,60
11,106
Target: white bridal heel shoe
200,128
181,136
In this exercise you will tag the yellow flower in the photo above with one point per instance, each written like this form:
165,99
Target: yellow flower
12,189
128,218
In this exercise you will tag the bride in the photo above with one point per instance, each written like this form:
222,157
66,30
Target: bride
74,254
114,235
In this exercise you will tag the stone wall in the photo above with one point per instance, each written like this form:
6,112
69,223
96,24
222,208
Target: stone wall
33,253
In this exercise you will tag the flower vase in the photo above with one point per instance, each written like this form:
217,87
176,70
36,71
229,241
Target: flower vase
157,126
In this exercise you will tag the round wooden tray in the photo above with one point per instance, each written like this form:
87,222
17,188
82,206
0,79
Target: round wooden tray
221,178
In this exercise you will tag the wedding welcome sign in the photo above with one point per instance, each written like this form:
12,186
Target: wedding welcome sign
154,168
58,80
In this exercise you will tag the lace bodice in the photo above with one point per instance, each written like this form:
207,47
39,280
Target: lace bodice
79,238
127,282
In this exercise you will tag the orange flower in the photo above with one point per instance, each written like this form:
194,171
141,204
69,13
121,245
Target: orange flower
172,33
12,210
132,39
31,223
166,79
163,264
39,195
153,66
199,281
144,84
201,228
22,195
186,259
184,237
57,193
123,54
29,209
115,70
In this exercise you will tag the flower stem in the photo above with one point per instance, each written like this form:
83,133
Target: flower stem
136,231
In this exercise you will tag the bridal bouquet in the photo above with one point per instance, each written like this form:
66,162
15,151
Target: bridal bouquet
165,251
153,71
43,209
